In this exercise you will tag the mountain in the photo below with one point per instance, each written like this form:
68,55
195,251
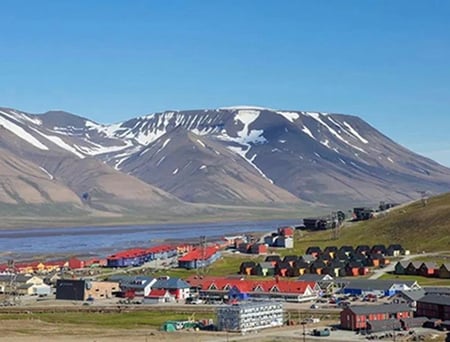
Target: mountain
226,156
40,166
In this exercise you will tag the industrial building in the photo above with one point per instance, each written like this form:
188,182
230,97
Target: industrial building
250,316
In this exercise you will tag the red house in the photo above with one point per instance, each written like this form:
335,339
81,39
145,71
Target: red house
258,248
286,231
428,269
76,263
356,317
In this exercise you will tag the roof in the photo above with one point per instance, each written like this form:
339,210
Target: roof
413,294
250,285
171,283
157,293
437,290
137,283
435,299
415,264
384,325
383,308
430,265
403,263
199,254
266,264
376,284
314,277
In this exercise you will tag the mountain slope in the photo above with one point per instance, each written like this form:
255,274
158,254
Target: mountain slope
80,179
235,155
415,226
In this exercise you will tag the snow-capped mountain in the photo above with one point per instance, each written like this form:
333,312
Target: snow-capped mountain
237,154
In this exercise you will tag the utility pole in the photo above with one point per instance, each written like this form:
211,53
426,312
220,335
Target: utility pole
202,247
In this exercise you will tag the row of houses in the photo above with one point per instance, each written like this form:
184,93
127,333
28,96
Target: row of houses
425,269
20,284
130,257
232,289
393,250
292,266
199,257
148,289
138,256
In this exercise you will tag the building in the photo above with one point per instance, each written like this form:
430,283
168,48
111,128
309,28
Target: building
176,287
434,306
131,287
377,287
400,267
21,284
199,257
81,289
444,271
218,288
357,317
408,297
250,316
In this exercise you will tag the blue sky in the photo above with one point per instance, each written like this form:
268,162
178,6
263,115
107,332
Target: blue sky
385,61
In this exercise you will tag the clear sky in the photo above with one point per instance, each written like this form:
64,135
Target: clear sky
385,61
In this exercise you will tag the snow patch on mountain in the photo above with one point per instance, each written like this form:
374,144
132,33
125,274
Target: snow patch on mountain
60,143
316,116
47,173
21,133
308,132
290,116
355,133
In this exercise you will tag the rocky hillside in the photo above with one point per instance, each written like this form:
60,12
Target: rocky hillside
232,156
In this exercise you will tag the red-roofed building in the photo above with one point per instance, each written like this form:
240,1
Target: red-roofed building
199,257
219,288
157,296
286,231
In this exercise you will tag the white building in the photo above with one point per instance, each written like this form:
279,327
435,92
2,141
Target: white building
250,316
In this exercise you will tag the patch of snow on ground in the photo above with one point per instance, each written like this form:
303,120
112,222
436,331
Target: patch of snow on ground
175,172
203,167
61,143
343,162
390,159
307,131
291,116
161,148
355,133
21,133
317,154
326,143
160,161
282,141
201,143
47,173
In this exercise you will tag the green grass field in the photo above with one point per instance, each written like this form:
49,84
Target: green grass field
126,320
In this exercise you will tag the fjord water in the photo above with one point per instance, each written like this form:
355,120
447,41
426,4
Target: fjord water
101,241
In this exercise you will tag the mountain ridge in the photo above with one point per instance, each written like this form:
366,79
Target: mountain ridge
240,155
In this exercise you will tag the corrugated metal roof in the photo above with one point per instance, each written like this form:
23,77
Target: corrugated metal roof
435,299
384,308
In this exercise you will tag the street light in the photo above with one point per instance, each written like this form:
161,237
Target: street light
304,330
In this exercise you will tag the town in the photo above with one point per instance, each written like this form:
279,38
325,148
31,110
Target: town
269,287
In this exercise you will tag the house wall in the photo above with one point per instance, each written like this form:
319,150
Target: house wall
100,289
440,311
